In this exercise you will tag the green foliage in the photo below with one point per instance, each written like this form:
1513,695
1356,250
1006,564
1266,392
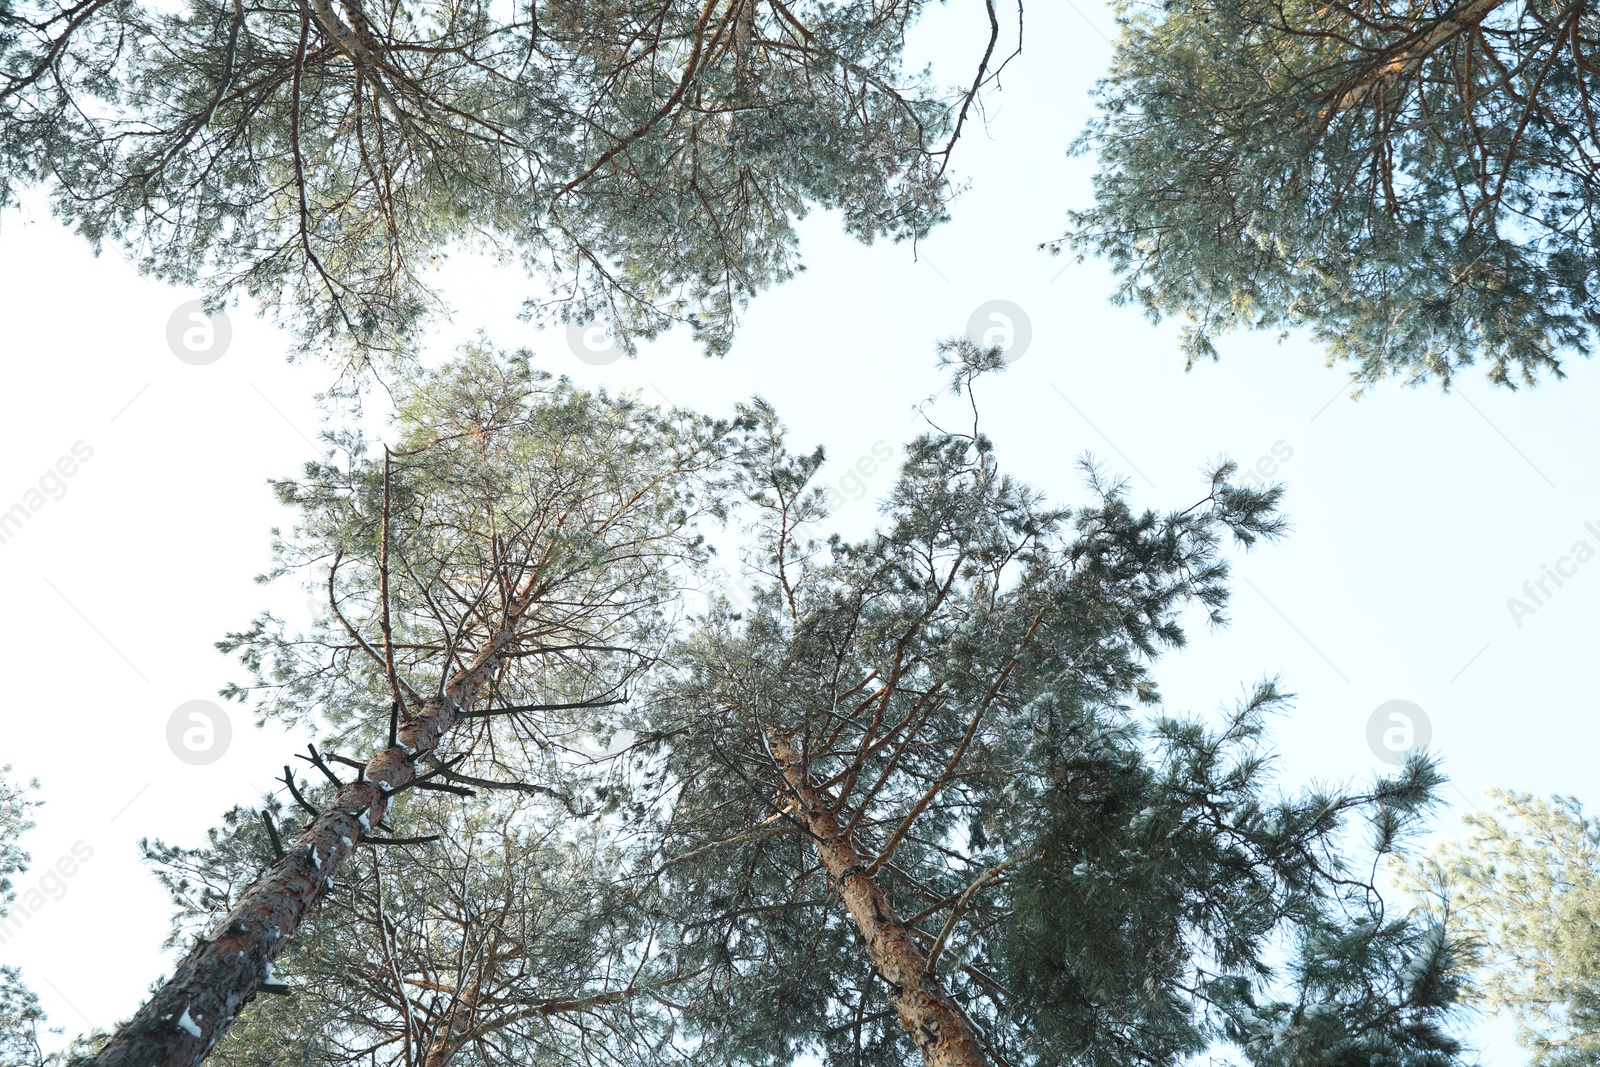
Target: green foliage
645,162
1093,880
1169,877
1414,184
1523,890
15,804
515,909
20,1019
498,471
20,1014
513,512
1096,885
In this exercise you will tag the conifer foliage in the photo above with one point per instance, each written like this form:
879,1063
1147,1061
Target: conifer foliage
500,573
646,161
919,797
920,801
1521,894
1415,184
508,934
20,1016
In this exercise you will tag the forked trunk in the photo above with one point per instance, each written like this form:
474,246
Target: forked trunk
456,1030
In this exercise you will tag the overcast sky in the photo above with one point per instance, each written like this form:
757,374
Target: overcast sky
1416,515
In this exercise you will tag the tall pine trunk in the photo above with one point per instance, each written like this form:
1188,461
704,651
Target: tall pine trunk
928,1013
188,1015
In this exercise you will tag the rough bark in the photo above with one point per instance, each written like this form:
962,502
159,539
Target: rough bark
457,1029
936,1025
181,1022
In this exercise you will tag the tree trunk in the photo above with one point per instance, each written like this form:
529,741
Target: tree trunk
188,1015
928,1013
457,1028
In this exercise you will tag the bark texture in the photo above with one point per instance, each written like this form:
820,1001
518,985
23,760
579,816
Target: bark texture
181,1022
457,1031
936,1025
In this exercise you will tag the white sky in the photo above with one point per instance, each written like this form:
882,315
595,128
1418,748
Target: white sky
1416,514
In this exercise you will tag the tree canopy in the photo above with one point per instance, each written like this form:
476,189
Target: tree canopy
919,798
646,161
1521,895
490,582
915,796
507,933
1414,184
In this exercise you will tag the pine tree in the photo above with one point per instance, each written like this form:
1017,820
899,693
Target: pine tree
911,804
507,933
1522,892
500,574
1413,184
920,799
20,1015
646,162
